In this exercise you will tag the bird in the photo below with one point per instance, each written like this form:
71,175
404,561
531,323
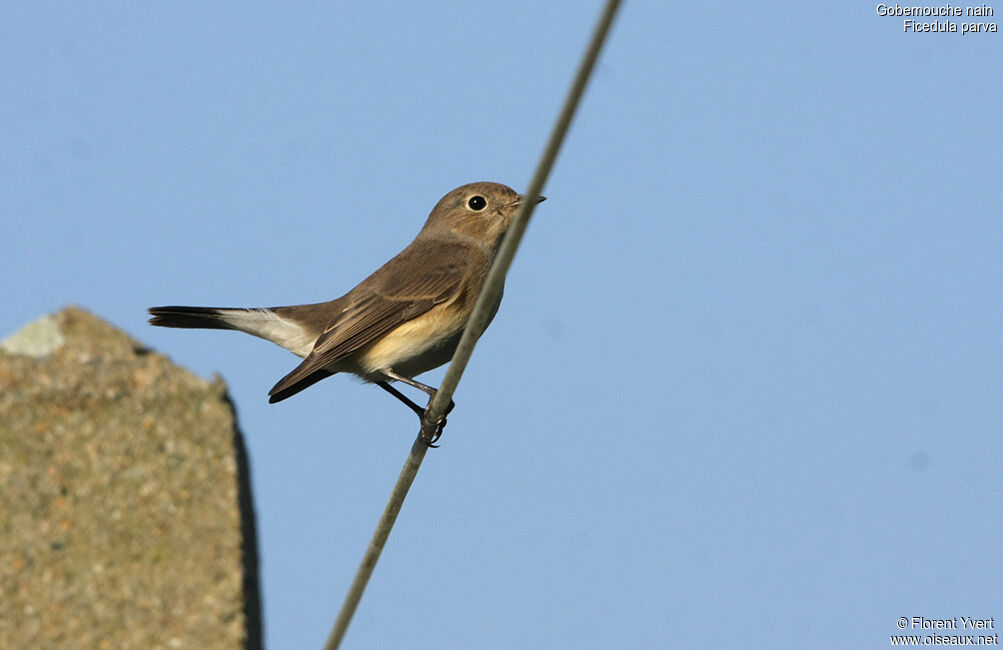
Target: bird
406,318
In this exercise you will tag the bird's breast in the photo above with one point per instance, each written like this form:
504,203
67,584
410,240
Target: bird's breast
419,345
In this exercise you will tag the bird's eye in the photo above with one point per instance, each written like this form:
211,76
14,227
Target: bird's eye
477,203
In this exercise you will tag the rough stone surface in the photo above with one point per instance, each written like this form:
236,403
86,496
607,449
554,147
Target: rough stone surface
125,511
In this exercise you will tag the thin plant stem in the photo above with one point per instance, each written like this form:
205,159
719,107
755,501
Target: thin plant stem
475,327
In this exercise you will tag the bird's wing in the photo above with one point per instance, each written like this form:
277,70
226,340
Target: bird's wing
423,275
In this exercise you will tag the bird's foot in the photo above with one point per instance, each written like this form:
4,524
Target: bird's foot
436,432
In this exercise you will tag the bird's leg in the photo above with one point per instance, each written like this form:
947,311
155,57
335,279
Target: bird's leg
402,397
422,413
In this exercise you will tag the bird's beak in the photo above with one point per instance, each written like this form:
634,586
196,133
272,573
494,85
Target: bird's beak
518,201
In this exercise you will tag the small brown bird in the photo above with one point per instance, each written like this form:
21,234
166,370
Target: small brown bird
404,319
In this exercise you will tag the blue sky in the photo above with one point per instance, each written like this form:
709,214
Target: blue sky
744,388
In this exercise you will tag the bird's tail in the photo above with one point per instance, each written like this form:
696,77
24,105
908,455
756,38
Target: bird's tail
263,323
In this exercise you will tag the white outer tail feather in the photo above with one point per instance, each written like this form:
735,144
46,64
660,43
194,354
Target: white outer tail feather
266,324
